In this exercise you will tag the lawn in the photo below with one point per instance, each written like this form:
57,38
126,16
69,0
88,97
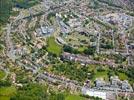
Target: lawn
53,47
2,74
7,92
74,97
102,74
81,49
122,76
92,67
4,98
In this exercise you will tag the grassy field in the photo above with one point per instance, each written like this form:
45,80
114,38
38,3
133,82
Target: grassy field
122,76
53,47
81,49
74,97
4,98
103,74
98,74
2,74
7,92
91,67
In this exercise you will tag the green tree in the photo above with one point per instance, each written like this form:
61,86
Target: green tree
31,92
67,48
89,51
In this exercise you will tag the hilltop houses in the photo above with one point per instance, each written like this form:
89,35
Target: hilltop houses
44,31
115,84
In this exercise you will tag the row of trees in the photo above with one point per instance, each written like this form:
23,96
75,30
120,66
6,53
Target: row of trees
88,51
71,70
30,91
37,92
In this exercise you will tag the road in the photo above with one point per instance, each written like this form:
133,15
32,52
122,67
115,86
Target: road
8,40
53,78
85,60
9,44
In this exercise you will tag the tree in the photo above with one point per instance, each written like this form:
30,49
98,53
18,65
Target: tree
130,72
4,83
67,48
89,51
110,73
31,92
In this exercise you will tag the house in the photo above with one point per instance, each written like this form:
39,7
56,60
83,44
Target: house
47,30
60,40
131,46
95,93
44,31
115,85
99,83
74,23
115,81
64,28
126,86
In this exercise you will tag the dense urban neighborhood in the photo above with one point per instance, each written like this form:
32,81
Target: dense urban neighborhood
66,50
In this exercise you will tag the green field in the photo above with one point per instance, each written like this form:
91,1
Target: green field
2,74
81,49
7,92
53,47
98,74
74,97
4,98
103,74
122,76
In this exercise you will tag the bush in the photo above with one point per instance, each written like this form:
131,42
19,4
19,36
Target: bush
89,51
4,83
67,48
